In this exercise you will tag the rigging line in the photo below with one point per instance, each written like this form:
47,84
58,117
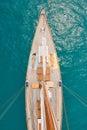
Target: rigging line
79,98
66,116
6,102
76,94
10,105
9,99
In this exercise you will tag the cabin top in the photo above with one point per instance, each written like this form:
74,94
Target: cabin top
43,61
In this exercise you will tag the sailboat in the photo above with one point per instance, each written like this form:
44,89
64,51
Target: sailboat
43,85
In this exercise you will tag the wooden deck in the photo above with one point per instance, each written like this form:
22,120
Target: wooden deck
32,95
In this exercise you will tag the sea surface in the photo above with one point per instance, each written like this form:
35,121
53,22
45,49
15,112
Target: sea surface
68,22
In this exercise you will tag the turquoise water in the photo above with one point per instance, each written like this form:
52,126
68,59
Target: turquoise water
68,22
